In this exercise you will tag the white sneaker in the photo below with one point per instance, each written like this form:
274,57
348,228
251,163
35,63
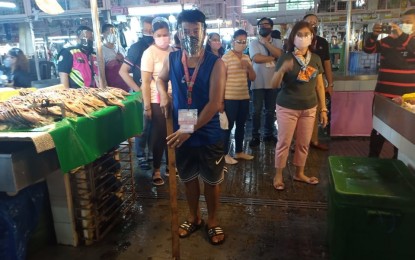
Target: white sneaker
230,160
244,156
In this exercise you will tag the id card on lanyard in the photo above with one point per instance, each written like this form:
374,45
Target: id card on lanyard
188,117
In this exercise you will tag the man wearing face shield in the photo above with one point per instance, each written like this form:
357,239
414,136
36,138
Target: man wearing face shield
77,66
113,56
396,75
198,83
264,51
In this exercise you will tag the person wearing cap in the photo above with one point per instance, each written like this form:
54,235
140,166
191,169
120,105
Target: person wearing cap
16,60
77,66
264,51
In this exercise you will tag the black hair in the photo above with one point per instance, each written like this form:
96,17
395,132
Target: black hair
106,27
410,12
176,39
81,29
148,20
308,15
15,52
239,32
276,34
160,24
266,18
191,16
221,50
298,26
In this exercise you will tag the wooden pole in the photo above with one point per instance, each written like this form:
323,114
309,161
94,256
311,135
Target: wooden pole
173,194
97,38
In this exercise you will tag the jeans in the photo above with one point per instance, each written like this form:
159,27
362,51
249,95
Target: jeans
144,140
263,98
237,113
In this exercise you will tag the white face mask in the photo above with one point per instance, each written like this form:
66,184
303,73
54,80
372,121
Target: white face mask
239,47
406,28
162,42
302,42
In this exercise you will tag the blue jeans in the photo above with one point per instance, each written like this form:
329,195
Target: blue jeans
263,98
144,140
237,113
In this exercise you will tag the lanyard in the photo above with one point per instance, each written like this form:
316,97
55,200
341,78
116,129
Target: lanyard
191,82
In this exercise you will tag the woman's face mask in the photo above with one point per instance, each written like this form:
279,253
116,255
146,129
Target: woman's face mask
302,41
162,42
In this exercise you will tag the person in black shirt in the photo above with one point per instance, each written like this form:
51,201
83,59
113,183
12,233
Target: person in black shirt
19,68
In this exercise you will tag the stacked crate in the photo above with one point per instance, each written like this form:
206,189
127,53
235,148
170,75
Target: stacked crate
103,193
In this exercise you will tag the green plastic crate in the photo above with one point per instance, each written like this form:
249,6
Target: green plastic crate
371,209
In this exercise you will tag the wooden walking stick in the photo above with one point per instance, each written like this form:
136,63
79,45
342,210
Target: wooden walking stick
173,193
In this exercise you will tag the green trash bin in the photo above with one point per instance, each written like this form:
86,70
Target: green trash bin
371,210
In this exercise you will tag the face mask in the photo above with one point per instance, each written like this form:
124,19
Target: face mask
111,38
215,45
406,28
264,32
239,47
192,45
303,42
7,62
87,45
148,39
162,42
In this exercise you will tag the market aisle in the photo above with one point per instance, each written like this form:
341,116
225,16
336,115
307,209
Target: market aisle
260,222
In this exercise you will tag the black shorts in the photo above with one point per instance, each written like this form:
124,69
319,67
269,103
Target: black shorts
206,161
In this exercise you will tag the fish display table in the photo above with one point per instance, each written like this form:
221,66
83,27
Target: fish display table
66,145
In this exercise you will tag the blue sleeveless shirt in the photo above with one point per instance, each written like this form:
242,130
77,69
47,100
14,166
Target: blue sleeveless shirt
210,133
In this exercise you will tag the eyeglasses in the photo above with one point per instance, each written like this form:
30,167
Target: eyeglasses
240,42
304,35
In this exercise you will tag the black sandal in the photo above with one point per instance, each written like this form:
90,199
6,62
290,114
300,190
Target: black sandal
190,228
213,232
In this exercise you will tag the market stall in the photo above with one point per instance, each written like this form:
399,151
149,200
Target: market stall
87,163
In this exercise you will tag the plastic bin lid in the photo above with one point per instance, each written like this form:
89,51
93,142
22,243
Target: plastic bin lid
383,181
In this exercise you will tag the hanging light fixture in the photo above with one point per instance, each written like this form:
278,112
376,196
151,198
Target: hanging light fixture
50,6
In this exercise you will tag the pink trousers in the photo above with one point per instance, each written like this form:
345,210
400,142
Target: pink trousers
292,121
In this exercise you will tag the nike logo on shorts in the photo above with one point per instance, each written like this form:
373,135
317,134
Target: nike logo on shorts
218,161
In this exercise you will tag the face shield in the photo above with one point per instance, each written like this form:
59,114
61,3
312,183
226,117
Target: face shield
192,38
111,36
86,40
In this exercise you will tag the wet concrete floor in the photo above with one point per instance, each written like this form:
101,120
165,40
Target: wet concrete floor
259,222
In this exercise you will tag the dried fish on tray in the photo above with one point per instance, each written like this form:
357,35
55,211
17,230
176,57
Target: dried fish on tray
32,109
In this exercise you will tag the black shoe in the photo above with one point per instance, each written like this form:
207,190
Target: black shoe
270,138
254,142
